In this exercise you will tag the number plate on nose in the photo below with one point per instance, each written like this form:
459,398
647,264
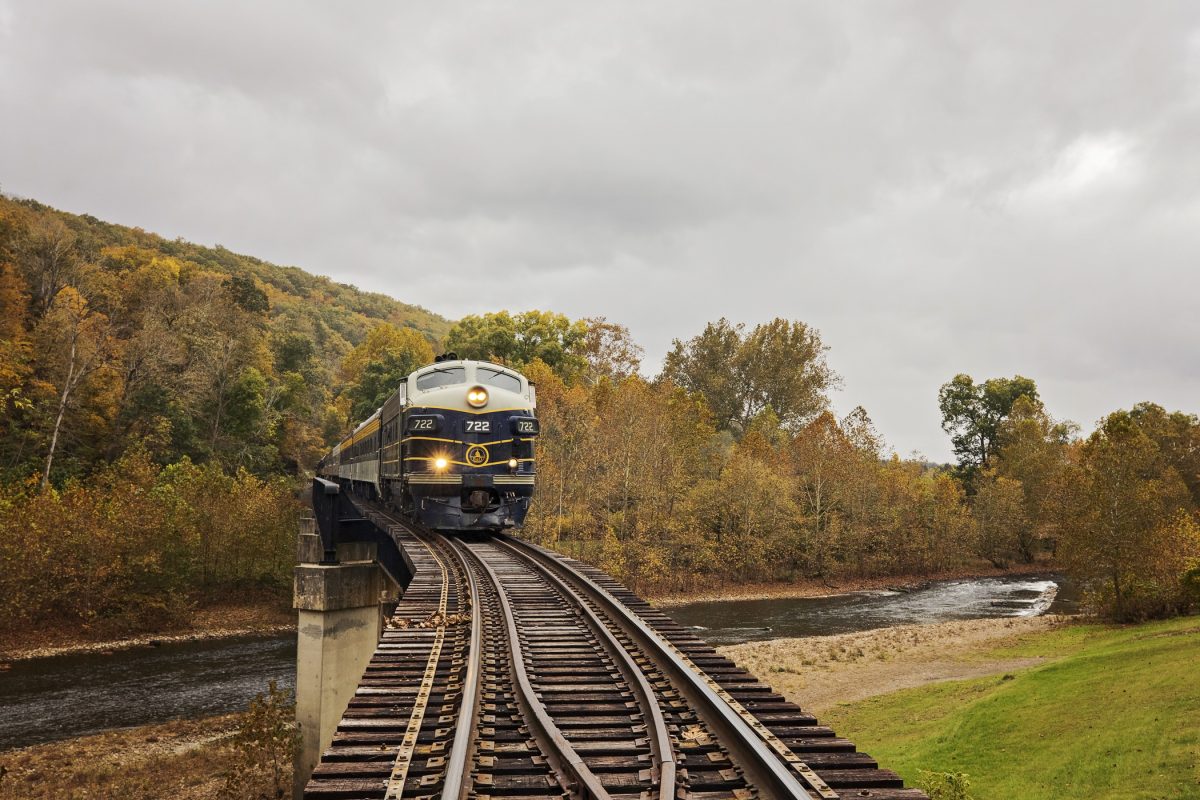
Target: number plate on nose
477,426
425,423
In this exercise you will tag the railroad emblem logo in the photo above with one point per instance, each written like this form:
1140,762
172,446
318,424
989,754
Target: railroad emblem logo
477,455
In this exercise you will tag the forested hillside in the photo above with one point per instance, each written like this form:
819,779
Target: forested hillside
116,338
147,388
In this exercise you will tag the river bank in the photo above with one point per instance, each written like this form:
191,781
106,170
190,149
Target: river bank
188,758
816,587
183,759
256,617
824,671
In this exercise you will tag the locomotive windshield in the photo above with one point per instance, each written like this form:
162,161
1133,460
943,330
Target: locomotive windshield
501,380
442,376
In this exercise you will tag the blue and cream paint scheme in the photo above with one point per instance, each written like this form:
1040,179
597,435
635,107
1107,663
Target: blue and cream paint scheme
453,447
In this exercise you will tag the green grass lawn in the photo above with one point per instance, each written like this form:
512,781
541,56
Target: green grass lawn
1115,714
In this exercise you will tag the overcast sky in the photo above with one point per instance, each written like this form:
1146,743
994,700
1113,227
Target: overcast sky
991,188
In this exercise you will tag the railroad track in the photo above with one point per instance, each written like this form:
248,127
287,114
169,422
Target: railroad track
510,671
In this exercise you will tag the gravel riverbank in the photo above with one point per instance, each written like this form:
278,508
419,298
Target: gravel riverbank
184,760
822,671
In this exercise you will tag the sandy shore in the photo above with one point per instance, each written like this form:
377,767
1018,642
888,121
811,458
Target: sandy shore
707,593
822,671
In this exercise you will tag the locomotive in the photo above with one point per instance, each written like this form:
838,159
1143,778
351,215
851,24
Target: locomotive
451,448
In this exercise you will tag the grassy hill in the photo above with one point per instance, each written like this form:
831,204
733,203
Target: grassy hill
1114,714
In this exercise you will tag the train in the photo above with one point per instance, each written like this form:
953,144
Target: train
452,448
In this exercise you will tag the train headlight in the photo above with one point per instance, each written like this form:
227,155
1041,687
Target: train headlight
439,464
512,463
477,397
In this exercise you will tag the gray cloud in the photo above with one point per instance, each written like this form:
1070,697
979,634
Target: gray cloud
939,187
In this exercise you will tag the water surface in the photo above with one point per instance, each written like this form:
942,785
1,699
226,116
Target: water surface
734,621
54,698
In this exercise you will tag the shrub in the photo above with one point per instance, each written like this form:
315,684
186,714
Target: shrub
131,546
945,785
266,744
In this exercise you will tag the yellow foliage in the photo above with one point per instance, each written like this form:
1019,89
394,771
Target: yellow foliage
130,547
382,340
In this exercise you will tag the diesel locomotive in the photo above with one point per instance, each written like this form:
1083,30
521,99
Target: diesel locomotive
451,448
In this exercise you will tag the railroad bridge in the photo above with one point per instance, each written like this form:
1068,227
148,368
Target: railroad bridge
507,670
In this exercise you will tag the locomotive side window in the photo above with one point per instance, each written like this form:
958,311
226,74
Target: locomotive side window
442,376
501,380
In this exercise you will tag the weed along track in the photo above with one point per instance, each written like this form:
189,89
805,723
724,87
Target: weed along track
510,671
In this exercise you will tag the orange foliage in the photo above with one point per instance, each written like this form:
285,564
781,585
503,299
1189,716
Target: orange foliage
132,546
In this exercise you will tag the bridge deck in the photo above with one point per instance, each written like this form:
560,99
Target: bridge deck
567,712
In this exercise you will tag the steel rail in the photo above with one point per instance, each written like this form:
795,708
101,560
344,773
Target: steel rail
556,746
766,766
394,786
664,751
454,784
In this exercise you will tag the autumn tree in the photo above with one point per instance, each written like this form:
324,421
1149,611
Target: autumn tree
15,345
1032,450
226,346
750,513
517,339
1125,531
610,350
48,258
1000,517
247,294
1177,435
779,365
972,414
829,469
77,344
568,424
373,370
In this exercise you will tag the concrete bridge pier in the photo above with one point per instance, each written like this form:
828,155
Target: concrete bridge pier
341,617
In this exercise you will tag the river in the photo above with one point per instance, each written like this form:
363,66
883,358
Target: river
46,699
736,621
56,698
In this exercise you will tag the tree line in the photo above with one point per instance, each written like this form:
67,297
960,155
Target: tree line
729,465
146,366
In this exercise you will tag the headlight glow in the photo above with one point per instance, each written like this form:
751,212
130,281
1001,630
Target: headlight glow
512,463
477,397
439,464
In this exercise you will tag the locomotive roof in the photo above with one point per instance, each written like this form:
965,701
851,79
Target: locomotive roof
508,388
458,362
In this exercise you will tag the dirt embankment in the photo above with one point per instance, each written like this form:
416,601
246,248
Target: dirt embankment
185,760
812,587
211,622
822,671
